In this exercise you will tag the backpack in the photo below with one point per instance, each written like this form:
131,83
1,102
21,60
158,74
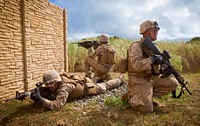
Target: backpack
123,65
110,50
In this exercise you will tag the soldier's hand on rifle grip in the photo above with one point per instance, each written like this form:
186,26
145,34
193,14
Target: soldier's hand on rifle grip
166,72
157,59
36,96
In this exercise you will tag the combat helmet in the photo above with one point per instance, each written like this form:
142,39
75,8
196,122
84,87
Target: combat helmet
148,24
51,76
103,38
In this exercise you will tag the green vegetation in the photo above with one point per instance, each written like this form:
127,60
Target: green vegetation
195,40
113,101
185,55
184,111
76,56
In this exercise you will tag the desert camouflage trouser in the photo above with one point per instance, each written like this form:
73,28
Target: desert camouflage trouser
68,91
142,90
99,88
101,70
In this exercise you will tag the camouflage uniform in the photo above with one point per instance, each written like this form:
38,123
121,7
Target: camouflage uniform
100,65
145,80
72,87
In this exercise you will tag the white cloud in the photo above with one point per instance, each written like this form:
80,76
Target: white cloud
153,4
79,36
178,19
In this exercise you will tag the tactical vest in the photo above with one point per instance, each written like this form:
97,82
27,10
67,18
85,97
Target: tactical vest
78,91
147,53
77,81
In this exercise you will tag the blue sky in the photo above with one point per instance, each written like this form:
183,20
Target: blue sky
178,19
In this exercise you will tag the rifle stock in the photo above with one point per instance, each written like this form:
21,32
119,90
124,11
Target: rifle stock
149,44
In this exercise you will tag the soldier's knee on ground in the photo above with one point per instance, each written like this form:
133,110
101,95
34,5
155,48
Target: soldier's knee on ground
144,108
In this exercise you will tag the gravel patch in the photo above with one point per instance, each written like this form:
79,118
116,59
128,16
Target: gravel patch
89,100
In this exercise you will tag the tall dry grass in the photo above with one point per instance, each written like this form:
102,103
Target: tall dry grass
190,54
185,56
76,57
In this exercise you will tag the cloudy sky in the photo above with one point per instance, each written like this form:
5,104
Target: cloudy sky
178,19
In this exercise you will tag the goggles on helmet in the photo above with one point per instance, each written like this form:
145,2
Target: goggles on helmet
155,24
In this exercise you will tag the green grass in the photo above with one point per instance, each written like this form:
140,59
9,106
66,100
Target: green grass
184,111
113,101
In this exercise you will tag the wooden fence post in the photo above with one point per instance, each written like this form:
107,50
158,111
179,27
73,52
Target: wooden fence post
65,41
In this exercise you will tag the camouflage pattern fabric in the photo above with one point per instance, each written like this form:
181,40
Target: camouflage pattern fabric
76,87
143,85
100,65
60,96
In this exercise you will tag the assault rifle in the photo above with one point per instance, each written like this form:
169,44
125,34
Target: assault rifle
167,65
88,44
22,96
